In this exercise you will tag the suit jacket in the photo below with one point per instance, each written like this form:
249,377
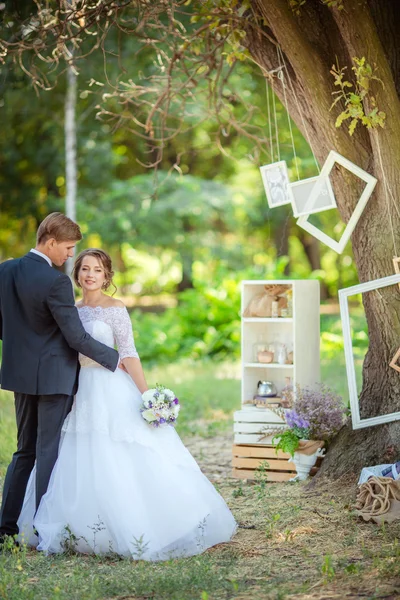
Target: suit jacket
41,330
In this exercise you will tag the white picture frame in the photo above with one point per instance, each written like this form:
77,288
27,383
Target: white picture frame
344,295
276,182
312,195
370,180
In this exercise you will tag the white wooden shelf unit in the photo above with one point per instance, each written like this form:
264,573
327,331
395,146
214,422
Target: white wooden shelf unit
300,332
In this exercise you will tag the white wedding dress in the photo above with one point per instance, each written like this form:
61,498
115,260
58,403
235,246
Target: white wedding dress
120,485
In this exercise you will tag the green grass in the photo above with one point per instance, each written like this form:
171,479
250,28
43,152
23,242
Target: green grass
293,543
7,430
27,576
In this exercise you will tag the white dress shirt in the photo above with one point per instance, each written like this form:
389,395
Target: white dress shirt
41,254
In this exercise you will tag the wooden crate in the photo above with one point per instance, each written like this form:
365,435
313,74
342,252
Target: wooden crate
246,459
250,425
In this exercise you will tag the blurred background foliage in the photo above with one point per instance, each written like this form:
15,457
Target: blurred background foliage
181,237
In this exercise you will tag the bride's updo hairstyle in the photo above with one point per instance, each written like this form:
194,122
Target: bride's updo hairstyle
105,261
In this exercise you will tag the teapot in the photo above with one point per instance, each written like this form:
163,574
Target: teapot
267,389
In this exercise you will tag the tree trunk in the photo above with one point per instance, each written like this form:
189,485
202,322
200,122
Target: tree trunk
70,151
310,44
187,257
186,282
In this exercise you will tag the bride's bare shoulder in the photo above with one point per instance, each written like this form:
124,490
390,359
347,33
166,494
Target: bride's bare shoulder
114,302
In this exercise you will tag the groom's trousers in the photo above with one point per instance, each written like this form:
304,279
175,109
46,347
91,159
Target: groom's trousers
39,423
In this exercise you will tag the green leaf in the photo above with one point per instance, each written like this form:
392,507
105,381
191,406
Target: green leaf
342,117
355,98
352,126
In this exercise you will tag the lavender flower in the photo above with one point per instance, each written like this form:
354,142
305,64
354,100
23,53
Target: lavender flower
293,419
322,408
299,426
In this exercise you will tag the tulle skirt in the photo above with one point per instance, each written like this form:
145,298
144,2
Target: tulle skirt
121,486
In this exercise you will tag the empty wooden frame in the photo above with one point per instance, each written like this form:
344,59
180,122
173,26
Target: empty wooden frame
344,295
303,222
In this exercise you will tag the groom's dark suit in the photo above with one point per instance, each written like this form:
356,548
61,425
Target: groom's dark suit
42,335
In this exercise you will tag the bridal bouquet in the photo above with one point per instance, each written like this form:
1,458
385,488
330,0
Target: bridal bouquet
160,406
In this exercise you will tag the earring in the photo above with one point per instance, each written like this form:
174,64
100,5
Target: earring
105,285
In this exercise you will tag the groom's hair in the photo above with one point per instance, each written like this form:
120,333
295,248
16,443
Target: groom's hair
58,226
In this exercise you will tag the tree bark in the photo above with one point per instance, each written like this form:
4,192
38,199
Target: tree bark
187,258
186,282
70,152
309,52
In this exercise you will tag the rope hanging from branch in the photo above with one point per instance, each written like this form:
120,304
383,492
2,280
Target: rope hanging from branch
283,62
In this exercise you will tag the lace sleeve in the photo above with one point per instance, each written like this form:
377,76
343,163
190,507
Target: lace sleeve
122,328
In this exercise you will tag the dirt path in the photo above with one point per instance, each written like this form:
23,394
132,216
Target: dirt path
214,455
301,544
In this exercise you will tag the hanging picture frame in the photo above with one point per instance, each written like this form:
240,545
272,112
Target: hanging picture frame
370,180
275,178
344,295
312,195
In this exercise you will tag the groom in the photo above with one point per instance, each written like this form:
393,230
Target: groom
42,335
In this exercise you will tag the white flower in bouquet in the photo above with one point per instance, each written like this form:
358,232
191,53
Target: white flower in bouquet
175,410
149,415
147,397
169,394
163,413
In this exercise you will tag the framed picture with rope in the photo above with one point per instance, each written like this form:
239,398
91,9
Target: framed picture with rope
344,295
275,178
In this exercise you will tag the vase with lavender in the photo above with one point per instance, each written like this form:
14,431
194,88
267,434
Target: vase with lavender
317,416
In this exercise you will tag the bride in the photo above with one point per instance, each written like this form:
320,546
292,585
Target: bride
120,485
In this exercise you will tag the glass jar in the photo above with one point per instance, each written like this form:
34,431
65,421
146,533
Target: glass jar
275,309
258,347
266,356
281,355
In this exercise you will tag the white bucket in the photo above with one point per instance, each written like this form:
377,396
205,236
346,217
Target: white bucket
304,463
